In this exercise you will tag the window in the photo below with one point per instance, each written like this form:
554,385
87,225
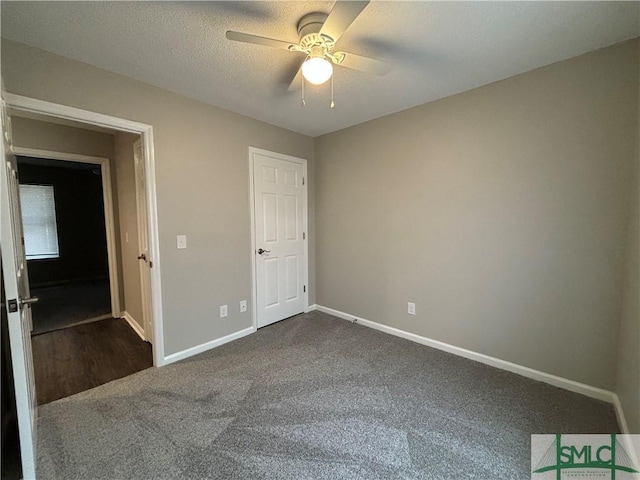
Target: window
39,221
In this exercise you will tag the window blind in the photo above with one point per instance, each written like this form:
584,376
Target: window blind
39,221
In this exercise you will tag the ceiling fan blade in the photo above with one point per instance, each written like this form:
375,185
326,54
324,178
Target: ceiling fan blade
364,64
296,83
342,15
256,40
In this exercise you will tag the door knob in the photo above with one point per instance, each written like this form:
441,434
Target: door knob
28,301
261,251
142,256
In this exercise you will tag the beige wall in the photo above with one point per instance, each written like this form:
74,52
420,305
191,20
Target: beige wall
127,210
628,374
501,212
202,180
42,135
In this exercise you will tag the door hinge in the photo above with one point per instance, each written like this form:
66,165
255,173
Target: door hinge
304,289
13,305
302,180
150,264
304,235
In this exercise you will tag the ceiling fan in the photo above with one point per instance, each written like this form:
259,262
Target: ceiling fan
319,34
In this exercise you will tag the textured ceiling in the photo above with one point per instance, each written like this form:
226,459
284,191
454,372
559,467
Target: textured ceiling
437,49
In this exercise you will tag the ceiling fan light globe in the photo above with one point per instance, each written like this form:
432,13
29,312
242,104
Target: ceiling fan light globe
317,70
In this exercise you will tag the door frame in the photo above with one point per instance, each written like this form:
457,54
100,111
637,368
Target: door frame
107,198
32,105
305,223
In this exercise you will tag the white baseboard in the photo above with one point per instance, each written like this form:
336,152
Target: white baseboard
133,324
554,380
622,421
189,352
311,308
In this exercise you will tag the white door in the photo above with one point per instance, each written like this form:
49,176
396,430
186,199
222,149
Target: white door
143,239
280,222
17,300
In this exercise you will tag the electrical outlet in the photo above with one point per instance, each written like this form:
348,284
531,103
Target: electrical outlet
223,311
182,241
411,308
243,306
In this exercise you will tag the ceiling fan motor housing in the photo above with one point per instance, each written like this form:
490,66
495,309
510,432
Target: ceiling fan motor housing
309,31
311,23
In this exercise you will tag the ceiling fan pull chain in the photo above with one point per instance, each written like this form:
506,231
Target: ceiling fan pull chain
303,102
332,104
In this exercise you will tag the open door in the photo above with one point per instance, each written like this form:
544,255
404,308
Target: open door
17,304
144,256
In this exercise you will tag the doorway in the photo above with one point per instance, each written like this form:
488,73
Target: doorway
68,240
18,299
71,218
132,131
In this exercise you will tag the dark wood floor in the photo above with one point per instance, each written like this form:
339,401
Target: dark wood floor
78,358
62,306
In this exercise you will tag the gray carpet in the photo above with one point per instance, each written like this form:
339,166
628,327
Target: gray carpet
64,306
312,397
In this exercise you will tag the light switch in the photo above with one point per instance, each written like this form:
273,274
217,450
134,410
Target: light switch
182,241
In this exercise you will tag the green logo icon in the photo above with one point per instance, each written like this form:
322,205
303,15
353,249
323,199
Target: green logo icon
580,456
